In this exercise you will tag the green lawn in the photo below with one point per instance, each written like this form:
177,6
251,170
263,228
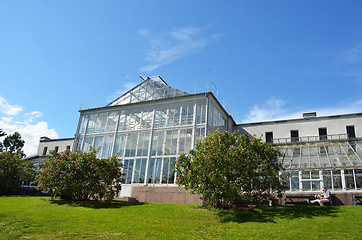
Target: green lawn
41,218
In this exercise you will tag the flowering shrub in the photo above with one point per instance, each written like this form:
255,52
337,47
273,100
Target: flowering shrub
228,167
80,176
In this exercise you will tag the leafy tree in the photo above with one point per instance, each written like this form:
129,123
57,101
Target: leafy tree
228,167
14,144
2,133
13,170
80,176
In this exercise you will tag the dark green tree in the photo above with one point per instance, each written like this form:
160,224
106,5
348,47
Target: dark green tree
13,170
14,144
228,167
2,133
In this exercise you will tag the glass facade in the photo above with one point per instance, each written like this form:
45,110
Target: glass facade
149,136
336,165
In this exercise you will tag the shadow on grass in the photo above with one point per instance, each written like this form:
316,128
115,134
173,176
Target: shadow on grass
95,204
269,214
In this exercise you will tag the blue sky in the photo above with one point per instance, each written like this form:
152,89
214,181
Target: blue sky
269,59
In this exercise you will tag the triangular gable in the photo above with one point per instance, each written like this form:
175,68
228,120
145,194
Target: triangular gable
152,88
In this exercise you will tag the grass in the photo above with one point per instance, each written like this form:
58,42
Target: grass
41,218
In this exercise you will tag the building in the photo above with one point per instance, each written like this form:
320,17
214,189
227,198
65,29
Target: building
317,152
46,145
153,123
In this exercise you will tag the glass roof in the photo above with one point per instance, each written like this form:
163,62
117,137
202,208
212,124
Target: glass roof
322,155
152,88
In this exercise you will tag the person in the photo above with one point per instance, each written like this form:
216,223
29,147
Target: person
321,199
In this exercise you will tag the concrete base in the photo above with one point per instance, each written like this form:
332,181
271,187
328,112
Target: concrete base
164,194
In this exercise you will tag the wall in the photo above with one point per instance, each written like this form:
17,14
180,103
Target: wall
164,194
52,143
305,127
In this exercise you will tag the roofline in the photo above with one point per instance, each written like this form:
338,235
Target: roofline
162,100
56,140
302,119
149,101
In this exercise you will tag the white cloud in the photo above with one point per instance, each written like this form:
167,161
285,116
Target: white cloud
167,47
8,109
7,119
29,129
276,109
29,117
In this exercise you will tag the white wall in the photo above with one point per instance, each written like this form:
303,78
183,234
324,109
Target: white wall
52,143
305,127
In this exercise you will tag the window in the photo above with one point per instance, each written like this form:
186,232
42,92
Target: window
322,134
45,151
269,137
56,149
68,147
350,132
294,135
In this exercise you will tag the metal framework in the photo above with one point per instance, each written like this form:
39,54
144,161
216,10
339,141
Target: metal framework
151,130
314,164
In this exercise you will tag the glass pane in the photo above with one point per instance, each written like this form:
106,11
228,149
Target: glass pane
107,146
295,181
348,174
92,123
327,180
80,142
83,124
200,133
87,144
306,175
128,170
140,169
146,119
112,121
143,142
316,185
171,142
101,122
315,175
157,143
122,120
131,145
359,178
154,171
160,118
306,186
337,180
167,176
98,142
119,145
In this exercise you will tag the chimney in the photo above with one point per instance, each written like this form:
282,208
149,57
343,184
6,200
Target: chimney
310,115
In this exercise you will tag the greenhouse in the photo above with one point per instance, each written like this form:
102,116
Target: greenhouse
152,124
336,165
148,127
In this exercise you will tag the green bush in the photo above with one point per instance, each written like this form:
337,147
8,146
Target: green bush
80,176
13,170
228,167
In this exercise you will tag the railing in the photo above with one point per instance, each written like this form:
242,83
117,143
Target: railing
210,87
309,139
